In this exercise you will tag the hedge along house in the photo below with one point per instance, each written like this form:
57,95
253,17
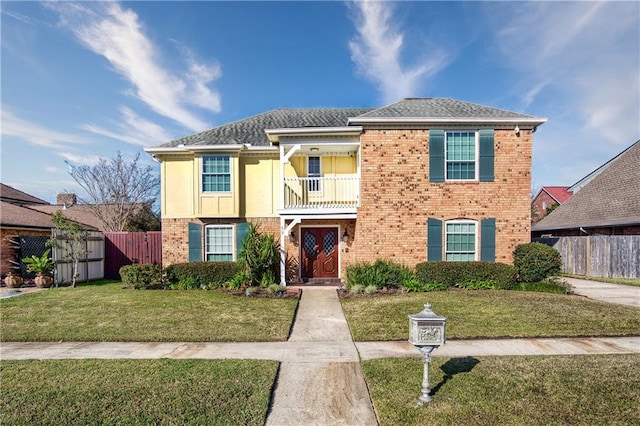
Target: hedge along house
419,179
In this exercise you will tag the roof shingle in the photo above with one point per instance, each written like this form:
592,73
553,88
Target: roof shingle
611,198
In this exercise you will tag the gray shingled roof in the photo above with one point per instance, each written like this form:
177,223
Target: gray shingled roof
15,196
14,215
440,108
251,130
611,198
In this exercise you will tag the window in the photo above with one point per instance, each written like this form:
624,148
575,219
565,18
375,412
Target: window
219,243
460,240
460,154
216,174
314,173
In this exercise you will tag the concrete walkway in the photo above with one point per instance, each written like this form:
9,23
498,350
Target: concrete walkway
613,293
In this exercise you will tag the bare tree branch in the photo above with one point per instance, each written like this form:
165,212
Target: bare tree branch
116,189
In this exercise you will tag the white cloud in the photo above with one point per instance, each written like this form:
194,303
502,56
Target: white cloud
133,129
89,160
35,134
117,34
376,51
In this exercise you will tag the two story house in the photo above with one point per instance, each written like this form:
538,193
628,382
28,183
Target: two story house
419,179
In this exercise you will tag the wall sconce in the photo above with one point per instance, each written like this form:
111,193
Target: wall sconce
345,236
292,237
517,130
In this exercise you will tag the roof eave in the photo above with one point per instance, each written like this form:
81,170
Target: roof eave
191,148
605,224
275,134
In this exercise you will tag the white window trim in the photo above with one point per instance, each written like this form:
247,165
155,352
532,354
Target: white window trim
202,174
319,190
476,160
233,240
464,221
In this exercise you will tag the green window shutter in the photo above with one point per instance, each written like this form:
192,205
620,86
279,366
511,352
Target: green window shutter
486,155
242,229
436,155
195,242
488,240
434,240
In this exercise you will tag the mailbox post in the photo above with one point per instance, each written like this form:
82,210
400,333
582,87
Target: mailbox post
427,333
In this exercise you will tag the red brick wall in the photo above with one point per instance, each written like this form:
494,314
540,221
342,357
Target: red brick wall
538,209
7,252
397,197
175,234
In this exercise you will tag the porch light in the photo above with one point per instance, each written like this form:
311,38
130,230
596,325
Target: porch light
292,237
314,149
345,236
426,333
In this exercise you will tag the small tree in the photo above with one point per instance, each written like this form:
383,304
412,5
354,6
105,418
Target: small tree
71,241
260,255
117,189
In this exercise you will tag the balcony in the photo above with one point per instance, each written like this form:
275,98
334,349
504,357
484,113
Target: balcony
327,194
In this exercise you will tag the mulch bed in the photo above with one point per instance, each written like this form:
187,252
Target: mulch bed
290,293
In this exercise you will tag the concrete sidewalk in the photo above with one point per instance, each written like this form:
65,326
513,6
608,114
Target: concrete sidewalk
613,293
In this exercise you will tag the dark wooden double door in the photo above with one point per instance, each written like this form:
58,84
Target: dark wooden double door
319,254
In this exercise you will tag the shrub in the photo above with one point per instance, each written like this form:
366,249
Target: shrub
357,288
188,283
276,288
371,289
141,276
536,261
208,274
416,285
260,255
238,280
467,274
382,273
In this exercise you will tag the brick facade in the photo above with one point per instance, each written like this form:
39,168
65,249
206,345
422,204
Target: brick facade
175,234
397,197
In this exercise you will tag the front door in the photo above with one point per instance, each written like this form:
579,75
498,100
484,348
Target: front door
319,253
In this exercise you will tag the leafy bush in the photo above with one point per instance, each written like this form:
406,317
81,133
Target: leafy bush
188,283
238,280
356,288
371,289
141,276
467,274
207,274
416,285
382,273
536,261
260,255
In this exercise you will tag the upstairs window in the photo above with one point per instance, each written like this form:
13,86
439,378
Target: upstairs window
461,155
314,173
460,240
219,243
216,173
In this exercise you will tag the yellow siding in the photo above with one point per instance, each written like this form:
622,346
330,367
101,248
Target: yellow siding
177,187
217,204
261,186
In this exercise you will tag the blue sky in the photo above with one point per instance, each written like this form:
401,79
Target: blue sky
81,81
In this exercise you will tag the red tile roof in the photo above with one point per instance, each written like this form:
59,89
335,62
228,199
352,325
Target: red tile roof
558,193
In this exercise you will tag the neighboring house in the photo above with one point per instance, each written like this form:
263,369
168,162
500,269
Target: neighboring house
607,202
547,199
419,179
22,215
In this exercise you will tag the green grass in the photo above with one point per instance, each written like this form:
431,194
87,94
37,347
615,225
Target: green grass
136,392
490,314
109,313
570,390
624,281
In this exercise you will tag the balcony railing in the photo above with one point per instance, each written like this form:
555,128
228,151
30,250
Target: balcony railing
322,193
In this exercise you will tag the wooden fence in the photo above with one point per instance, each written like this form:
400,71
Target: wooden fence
125,248
613,256
91,262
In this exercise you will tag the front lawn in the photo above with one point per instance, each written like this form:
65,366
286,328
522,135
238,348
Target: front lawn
490,314
568,390
110,313
127,392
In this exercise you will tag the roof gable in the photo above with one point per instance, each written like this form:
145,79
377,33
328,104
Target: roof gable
610,198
